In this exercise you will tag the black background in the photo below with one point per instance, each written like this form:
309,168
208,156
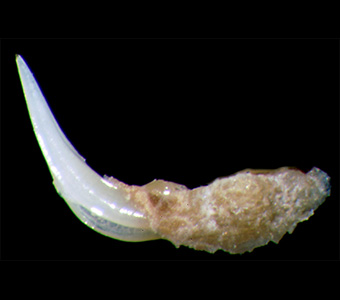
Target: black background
182,110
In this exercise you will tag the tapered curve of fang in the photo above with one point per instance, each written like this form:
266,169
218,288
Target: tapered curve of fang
94,200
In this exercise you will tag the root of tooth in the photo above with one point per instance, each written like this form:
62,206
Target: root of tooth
237,213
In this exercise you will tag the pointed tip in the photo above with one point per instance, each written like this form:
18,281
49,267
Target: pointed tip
18,58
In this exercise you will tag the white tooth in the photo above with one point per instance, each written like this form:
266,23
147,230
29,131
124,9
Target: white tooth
96,203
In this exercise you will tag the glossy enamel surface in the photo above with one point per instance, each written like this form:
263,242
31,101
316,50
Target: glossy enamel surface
92,198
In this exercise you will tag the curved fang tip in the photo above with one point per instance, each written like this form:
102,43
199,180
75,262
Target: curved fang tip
97,203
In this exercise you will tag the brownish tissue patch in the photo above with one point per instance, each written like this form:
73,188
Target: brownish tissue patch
163,195
236,213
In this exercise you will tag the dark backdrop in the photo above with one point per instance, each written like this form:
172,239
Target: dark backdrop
186,111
